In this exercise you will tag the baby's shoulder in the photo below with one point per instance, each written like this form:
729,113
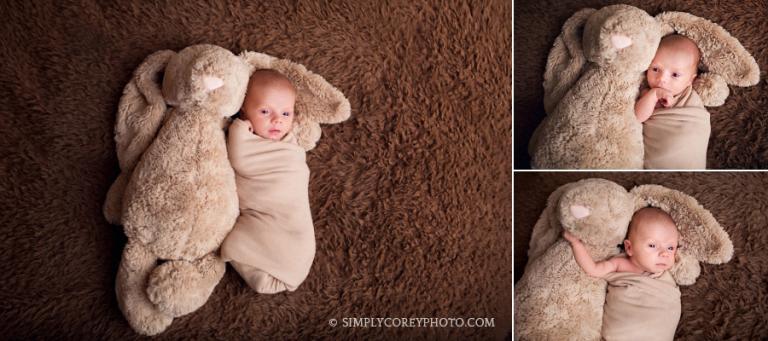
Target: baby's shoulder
622,263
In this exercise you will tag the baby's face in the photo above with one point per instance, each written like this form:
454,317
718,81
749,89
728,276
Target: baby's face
653,245
269,108
671,69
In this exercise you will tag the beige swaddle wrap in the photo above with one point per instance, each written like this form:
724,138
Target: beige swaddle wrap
639,307
677,137
274,233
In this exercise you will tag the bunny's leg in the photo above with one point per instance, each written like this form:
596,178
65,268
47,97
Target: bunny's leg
135,267
180,287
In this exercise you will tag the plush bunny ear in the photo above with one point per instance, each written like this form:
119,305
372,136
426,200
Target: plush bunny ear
711,88
701,236
548,227
317,101
721,55
566,59
139,115
141,109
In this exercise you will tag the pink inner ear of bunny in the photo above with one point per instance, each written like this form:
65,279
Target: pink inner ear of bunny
620,41
212,83
579,211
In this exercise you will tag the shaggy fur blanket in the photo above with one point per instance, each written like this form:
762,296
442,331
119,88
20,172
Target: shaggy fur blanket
410,197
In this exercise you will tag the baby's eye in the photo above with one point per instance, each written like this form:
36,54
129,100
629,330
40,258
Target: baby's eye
287,113
671,248
654,69
652,245
264,111
675,74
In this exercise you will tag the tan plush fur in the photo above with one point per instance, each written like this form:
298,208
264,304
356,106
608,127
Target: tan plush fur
591,83
176,195
593,125
555,299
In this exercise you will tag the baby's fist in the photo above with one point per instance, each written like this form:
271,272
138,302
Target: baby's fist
569,236
665,98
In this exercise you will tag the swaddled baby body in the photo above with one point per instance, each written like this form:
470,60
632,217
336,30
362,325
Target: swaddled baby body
676,125
272,245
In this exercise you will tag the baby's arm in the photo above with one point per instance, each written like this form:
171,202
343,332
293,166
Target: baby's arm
645,105
586,262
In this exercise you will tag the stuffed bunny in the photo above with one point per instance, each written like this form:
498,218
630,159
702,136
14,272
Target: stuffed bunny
619,42
593,75
176,195
555,298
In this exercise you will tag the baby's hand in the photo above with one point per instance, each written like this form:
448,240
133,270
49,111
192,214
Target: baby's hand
570,237
665,98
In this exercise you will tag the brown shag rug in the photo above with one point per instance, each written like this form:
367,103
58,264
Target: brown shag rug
410,197
739,138
728,301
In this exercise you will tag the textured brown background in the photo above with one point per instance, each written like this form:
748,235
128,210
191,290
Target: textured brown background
411,197
728,301
739,138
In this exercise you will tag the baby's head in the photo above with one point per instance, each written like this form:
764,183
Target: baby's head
652,240
268,104
675,65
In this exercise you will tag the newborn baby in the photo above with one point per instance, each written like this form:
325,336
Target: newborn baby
643,300
272,245
675,124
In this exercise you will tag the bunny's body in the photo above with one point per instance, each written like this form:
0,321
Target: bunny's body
550,312
614,139
192,219
180,200
619,41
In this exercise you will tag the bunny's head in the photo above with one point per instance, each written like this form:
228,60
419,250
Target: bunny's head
206,76
622,37
597,211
